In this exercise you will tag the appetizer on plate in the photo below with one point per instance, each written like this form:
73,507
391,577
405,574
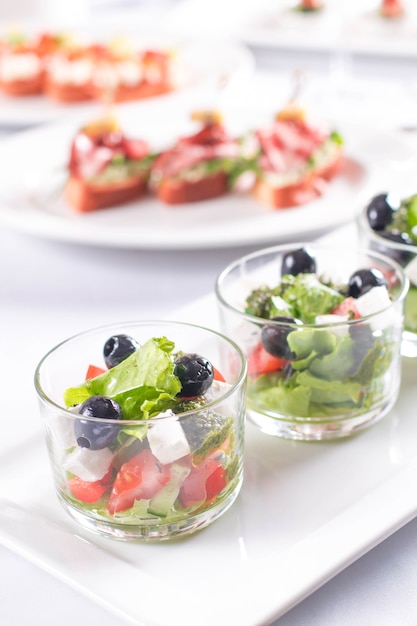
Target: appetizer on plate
198,167
392,8
22,63
296,160
308,6
68,70
106,168
69,73
122,73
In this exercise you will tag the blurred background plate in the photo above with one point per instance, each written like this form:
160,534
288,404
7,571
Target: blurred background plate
355,26
202,64
35,161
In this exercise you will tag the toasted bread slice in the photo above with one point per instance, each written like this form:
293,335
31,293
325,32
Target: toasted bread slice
86,197
179,191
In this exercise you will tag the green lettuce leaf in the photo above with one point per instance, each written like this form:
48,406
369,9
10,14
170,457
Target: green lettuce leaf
285,399
144,384
309,297
307,340
330,391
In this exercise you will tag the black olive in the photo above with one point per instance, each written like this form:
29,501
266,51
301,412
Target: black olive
401,256
298,262
274,337
196,374
363,280
117,348
381,209
95,435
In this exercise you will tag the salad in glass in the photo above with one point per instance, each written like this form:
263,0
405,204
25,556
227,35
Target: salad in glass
321,329
388,224
145,434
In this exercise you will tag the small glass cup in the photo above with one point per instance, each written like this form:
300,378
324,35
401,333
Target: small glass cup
145,479
344,375
406,256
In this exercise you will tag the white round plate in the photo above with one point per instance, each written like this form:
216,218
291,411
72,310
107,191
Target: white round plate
202,64
34,171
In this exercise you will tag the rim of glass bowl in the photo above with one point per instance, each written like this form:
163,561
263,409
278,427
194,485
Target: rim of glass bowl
365,227
295,246
47,400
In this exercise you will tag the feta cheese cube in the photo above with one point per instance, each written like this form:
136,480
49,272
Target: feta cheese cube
373,301
217,390
167,440
88,464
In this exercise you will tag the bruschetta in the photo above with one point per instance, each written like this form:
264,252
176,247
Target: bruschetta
197,167
296,160
392,8
308,6
122,73
69,73
22,63
106,168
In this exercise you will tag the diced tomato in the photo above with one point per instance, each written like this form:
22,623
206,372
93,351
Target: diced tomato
218,375
93,371
140,478
261,362
204,482
215,482
347,307
392,8
90,492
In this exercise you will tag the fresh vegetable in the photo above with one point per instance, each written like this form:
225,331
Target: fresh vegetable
89,492
393,221
93,371
299,261
195,374
90,434
260,362
180,457
138,479
117,349
306,367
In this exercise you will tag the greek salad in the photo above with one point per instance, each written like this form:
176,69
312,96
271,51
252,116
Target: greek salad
313,358
394,222
148,439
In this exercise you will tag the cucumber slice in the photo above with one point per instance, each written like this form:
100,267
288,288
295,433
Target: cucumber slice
411,310
163,502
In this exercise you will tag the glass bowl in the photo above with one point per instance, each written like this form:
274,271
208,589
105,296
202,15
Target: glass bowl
332,375
405,254
173,462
